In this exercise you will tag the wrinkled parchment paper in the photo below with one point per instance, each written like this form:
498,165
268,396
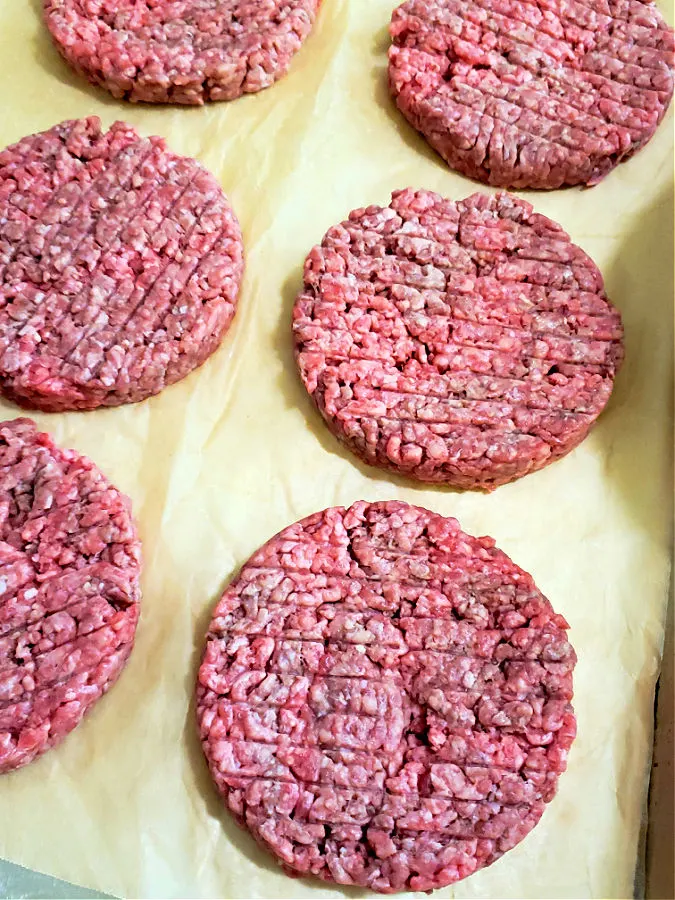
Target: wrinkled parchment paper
218,464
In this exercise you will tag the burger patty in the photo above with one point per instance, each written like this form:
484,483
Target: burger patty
465,343
532,93
180,51
69,590
120,267
384,701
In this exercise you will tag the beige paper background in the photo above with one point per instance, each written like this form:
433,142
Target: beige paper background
219,463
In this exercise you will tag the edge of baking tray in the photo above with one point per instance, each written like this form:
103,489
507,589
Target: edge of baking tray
18,883
658,875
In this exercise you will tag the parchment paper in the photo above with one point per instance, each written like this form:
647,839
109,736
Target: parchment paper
218,464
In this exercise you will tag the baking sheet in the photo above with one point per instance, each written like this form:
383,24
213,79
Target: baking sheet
660,867
219,463
17,883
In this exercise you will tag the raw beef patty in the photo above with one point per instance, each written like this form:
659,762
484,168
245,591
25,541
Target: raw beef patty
180,51
120,265
69,594
464,342
384,700
532,93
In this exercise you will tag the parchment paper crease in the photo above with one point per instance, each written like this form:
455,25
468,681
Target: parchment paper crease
218,464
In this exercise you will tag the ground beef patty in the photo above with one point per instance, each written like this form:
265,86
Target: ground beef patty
461,342
532,93
69,594
120,265
384,700
180,51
